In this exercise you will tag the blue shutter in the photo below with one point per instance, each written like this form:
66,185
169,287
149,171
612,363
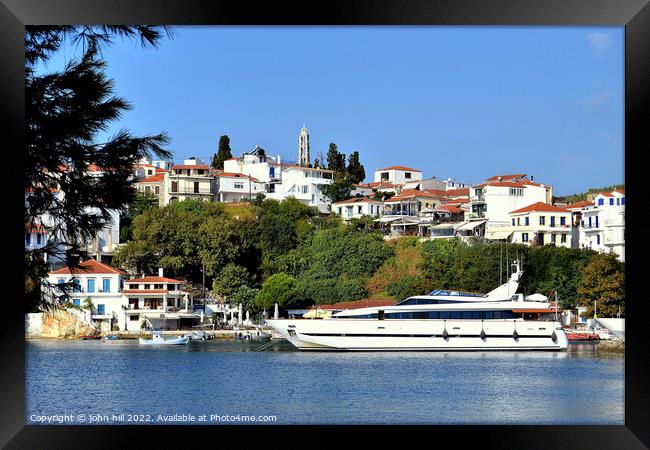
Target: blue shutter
106,285
91,285
76,302
100,309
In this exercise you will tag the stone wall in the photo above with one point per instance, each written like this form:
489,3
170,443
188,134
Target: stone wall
64,324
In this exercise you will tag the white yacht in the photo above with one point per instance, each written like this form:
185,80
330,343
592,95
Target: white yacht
442,320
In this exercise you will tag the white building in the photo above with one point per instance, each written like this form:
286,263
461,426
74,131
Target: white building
305,184
397,175
354,208
602,225
190,180
102,284
154,185
234,187
493,201
537,224
157,302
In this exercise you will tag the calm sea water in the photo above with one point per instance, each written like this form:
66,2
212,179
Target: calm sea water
78,381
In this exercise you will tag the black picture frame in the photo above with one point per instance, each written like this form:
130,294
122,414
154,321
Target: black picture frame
634,15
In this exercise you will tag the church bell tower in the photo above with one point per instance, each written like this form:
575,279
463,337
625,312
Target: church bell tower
303,148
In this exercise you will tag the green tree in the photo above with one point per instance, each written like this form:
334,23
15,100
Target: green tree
355,169
142,202
278,288
245,296
338,190
223,153
603,284
335,160
229,280
65,111
407,286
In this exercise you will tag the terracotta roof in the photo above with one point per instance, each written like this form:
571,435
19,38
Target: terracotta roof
451,209
379,184
579,205
540,206
362,185
401,168
153,179
236,175
366,303
358,200
153,280
191,166
160,170
620,190
413,193
458,192
506,177
90,266
606,194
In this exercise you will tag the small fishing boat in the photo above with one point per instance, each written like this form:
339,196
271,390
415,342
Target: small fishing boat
113,337
582,336
158,339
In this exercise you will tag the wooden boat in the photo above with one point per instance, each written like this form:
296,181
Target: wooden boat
158,339
582,336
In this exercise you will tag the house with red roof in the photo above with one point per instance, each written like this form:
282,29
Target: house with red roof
492,201
120,303
397,175
190,180
356,207
538,224
153,184
234,187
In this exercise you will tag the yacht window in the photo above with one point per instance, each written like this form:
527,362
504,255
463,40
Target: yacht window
466,314
487,314
476,314
454,314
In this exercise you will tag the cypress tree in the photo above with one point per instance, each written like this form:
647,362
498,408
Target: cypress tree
223,153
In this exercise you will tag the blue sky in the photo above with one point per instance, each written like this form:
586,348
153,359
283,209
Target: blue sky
462,102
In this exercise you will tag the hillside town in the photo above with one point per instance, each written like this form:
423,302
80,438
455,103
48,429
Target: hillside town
401,201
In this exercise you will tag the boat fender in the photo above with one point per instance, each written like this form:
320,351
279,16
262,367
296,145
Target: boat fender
445,335
554,337
483,335
515,335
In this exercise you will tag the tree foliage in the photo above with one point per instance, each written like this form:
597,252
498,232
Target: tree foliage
229,280
603,286
223,153
278,288
355,169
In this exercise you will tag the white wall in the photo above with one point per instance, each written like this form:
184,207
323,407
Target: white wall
398,176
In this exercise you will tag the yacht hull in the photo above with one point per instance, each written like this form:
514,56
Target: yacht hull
421,335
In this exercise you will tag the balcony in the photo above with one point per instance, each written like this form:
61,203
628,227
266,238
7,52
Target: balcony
477,215
479,198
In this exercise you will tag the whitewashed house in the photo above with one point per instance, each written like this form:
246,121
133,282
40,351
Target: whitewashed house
304,184
157,302
357,207
538,224
602,225
491,202
397,175
153,185
234,187
100,283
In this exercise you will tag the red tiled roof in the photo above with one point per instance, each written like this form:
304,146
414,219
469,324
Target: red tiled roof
540,206
153,280
190,166
458,192
620,190
160,170
414,193
236,175
358,200
606,194
506,177
380,184
90,266
153,179
35,227
451,209
401,168
366,303
579,205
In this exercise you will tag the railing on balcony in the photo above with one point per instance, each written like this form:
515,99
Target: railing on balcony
477,215
478,198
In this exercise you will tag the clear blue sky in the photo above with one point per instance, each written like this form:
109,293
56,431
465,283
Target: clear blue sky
465,102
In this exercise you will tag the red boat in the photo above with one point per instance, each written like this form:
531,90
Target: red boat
581,336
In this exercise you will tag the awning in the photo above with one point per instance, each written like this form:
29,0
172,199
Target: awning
386,219
470,225
497,234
